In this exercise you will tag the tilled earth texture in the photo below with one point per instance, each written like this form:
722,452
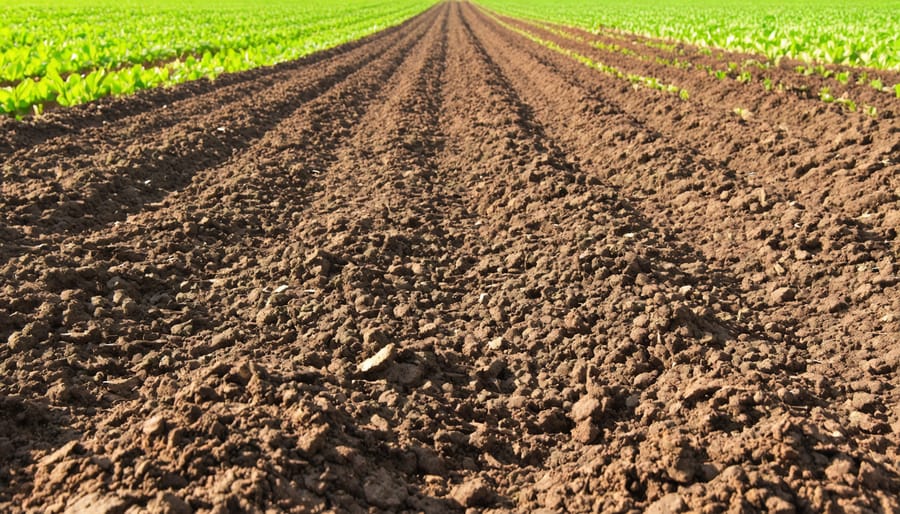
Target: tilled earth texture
449,268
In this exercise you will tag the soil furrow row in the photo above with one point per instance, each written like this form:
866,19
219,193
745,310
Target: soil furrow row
736,168
184,100
147,170
725,93
446,269
560,111
154,172
169,294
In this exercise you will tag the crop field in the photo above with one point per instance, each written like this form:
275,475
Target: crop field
862,33
72,54
414,256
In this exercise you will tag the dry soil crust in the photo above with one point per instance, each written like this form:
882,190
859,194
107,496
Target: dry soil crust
444,268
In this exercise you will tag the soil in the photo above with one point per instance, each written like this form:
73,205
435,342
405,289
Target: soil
445,268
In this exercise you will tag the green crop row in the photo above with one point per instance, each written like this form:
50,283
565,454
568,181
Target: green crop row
738,72
67,54
862,33
635,79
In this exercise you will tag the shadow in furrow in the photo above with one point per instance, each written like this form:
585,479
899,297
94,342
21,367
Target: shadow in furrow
156,175
18,135
679,252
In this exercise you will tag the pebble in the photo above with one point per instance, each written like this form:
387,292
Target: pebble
380,360
155,425
782,295
266,316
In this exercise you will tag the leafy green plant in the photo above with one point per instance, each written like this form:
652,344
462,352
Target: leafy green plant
636,80
860,34
742,113
846,103
76,52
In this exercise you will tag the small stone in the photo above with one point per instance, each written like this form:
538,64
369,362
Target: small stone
644,380
872,477
380,360
639,335
60,392
224,338
182,329
833,305
575,322
700,389
154,426
782,295
116,283
64,451
864,402
119,297
241,372
866,423
474,493
131,308
840,469
681,462
278,300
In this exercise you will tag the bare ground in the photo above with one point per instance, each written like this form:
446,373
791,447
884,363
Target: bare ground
445,267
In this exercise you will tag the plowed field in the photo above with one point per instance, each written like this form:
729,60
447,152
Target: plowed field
447,267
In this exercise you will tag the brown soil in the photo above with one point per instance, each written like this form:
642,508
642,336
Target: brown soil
445,268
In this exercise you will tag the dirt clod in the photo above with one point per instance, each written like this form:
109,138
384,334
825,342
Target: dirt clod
473,493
